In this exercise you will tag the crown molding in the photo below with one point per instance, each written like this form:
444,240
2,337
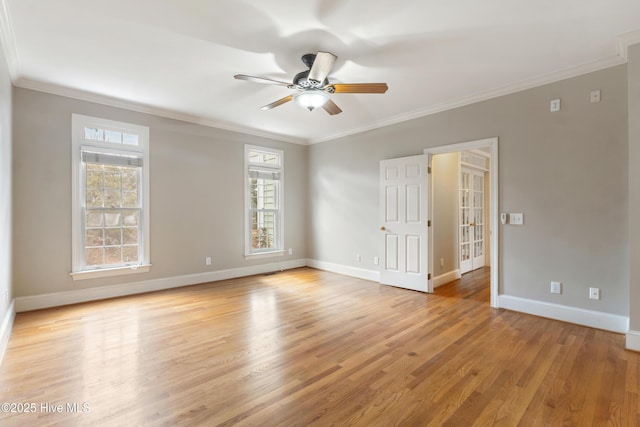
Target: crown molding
625,40
486,95
8,41
147,109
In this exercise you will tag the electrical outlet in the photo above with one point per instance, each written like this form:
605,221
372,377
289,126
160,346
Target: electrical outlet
594,293
554,105
376,260
441,262
595,95
207,260
556,288
290,251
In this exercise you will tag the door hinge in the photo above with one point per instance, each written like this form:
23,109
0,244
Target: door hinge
429,223
428,169
429,276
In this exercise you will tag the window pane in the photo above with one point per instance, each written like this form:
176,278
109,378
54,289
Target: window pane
94,199
264,158
130,236
113,136
93,237
130,139
94,177
112,180
94,256
94,133
263,230
130,253
113,255
112,199
129,179
94,219
112,219
130,217
113,236
129,199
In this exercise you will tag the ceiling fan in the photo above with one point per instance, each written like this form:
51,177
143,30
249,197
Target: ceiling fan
312,86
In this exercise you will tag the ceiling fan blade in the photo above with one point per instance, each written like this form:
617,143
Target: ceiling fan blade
359,87
262,80
277,103
331,108
321,67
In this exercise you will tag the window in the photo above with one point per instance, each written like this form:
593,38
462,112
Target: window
263,201
110,216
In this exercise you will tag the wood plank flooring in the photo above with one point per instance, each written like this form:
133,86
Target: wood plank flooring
307,347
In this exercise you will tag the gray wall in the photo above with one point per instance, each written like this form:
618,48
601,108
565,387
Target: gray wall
196,180
5,187
634,186
445,170
566,171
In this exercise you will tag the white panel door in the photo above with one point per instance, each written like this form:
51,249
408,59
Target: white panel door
403,202
472,226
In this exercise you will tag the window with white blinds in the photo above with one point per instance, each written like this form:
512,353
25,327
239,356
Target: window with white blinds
263,200
111,198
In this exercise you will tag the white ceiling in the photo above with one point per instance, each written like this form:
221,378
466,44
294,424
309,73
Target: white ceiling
177,58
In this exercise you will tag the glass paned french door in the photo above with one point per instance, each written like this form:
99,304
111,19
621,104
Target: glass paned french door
472,224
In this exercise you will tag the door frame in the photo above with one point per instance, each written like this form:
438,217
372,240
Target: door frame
492,144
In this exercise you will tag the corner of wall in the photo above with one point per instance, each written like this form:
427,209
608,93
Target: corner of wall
5,330
633,340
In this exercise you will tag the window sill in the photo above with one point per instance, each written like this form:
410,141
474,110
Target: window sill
265,254
108,272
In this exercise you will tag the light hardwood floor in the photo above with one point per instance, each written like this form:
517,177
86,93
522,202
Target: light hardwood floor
307,347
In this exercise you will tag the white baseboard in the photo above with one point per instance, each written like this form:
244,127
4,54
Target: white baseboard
56,299
446,278
5,329
360,273
593,319
633,340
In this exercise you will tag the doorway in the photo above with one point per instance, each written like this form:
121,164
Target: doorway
477,205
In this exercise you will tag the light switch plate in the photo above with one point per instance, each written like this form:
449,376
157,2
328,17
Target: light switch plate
554,105
516,219
556,288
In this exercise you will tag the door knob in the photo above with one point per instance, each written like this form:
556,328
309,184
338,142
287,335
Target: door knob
382,228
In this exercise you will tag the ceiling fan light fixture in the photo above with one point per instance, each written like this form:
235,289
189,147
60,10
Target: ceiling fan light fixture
311,99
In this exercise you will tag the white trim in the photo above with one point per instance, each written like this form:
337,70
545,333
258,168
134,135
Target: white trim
445,278
8,41
625,40
346,270
269,254
279,249
494,229
5,330
56,299
149,109
579,316
79,143
633,340
485,95
108,272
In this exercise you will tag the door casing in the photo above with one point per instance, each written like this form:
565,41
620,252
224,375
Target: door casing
492,144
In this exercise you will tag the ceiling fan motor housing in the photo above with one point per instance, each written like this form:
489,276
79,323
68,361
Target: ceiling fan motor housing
302,81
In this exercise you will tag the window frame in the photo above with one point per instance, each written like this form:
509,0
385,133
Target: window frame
279,250
79,269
